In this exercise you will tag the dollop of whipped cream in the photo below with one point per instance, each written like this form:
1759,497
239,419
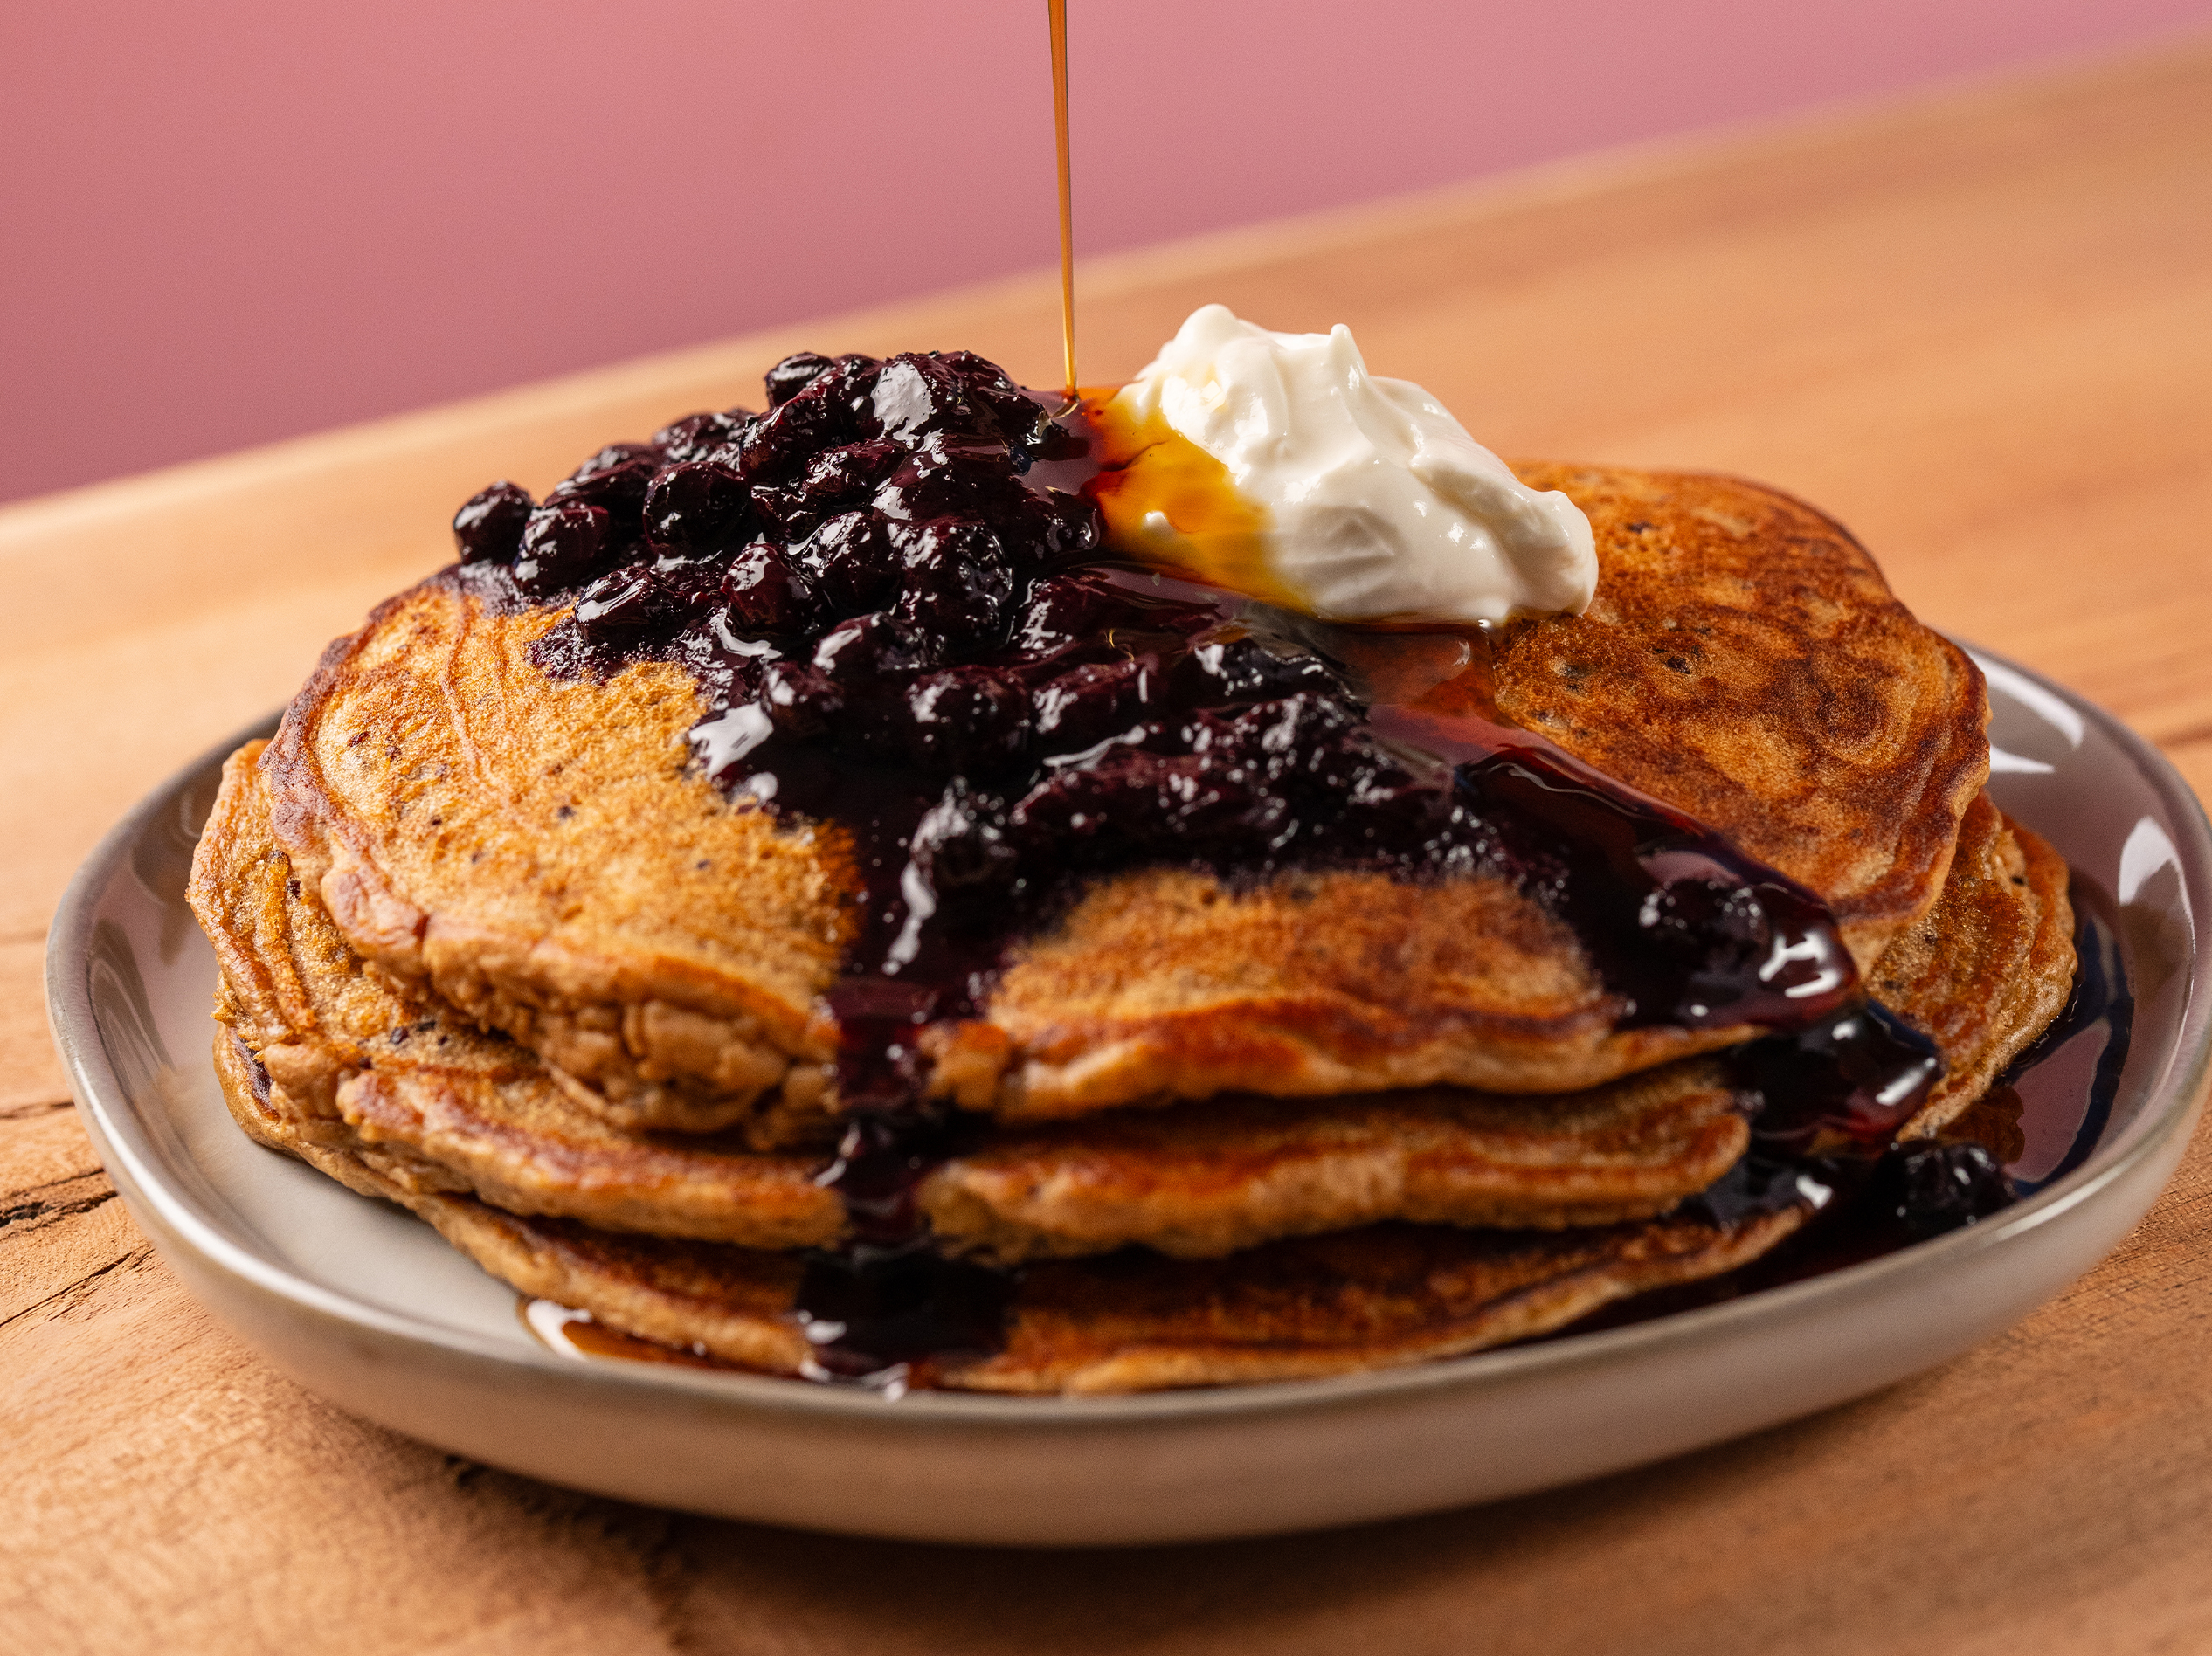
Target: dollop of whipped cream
1354,498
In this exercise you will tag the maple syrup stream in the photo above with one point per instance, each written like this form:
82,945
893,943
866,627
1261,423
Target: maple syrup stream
1057,13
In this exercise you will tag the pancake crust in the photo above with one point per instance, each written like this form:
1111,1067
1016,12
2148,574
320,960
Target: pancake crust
424,1098
1745,660
1369,1299
1989,970
539,854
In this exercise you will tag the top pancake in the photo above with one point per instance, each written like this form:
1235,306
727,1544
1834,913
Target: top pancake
542,855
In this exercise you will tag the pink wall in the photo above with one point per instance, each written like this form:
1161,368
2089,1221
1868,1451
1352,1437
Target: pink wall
242,219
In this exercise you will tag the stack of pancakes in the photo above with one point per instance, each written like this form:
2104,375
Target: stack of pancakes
494,948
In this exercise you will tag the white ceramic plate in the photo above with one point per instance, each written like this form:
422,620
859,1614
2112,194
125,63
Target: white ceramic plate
361,1303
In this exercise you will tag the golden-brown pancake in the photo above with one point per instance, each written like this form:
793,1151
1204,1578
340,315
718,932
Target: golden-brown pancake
436,1105
1206,1179
1215,1176
1372,1298
1368,1299
362,1065
542,855
1745,660
538,851
1989,969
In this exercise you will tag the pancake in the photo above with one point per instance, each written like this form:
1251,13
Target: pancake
537,851
1745,660
1207,1179
541,854
358,1064
1366,1299
436,1106
1369,1299
1988,971
410,1088
1362,1299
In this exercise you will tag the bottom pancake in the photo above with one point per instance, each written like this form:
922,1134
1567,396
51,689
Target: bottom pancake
1376,1297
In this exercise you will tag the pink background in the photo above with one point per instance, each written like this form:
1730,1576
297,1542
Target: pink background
242,219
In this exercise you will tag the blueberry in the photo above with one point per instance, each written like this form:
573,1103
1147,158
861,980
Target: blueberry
1305,743
849,562
1238,669
488,527
702,437
793,375
618,486
858,653
1052,525
1020,418
626,606
1072,808
1067,611
1060,611
561,543
917,394
835,409
1721,922
961,842
697,506
953,477
833,479
966,720
730,681
1160,802
1929,1188
841,476
800,701
853,691
955,581
612,458
1082,707
764,593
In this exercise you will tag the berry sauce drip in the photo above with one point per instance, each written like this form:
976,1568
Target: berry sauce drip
1871,1196
891,588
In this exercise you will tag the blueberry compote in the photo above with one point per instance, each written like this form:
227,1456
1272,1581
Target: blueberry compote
2038,1121
892,590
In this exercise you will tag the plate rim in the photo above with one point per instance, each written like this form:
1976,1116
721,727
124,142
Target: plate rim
103,1106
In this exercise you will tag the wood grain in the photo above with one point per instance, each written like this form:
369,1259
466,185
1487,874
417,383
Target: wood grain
1976,328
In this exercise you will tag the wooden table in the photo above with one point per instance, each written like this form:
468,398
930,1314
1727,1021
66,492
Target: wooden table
1978,329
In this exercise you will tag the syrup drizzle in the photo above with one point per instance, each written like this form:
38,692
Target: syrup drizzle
1057,16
